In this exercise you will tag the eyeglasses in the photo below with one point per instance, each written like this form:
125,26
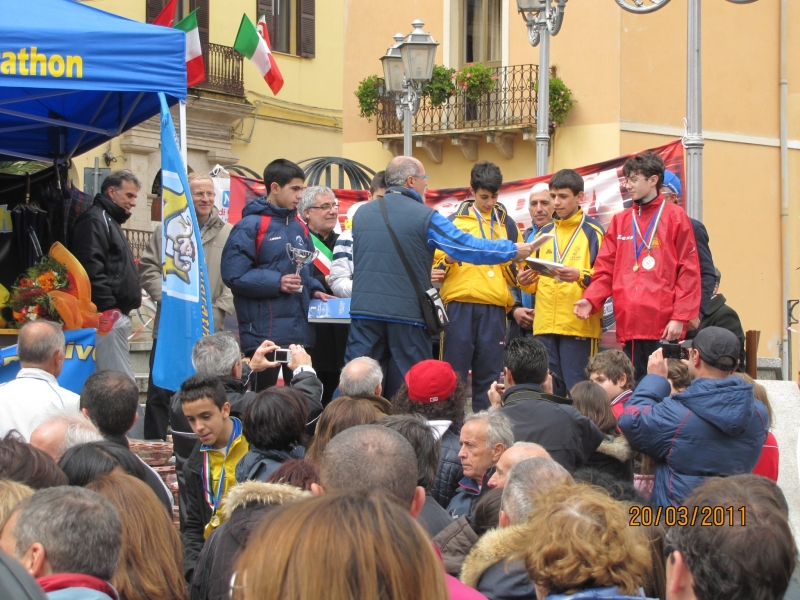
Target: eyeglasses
326,207
420,177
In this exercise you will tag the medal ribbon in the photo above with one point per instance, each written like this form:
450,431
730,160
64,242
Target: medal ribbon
481,220
212,498
651,232
559,256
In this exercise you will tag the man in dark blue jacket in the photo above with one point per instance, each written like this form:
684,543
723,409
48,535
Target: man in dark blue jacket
386,313
271,300
714,427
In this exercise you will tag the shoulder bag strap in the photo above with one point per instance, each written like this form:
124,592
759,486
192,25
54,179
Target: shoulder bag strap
420,294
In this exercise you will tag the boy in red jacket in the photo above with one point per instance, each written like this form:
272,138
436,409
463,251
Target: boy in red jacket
648,263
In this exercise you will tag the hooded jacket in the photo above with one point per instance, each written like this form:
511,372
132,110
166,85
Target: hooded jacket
646,300
258,464
99,243
263,310
486,569
243,509
713,427
614,457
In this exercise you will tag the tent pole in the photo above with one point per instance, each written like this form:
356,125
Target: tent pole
182,120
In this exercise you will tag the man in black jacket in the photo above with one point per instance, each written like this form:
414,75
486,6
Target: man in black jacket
537,415
719,314
100,245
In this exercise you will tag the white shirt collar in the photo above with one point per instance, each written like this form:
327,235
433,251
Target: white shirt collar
34,373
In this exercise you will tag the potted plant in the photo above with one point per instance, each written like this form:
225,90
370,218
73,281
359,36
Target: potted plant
561,101
368,91
476,80
441,87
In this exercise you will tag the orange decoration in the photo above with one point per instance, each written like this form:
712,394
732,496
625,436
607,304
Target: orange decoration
74,267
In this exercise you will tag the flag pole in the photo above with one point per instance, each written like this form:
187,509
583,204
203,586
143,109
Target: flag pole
182,122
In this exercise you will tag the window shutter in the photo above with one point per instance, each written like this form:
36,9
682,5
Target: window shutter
306,33
202,24
153,7
264,7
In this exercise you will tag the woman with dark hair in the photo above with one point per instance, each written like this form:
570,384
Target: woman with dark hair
297,472
21,462
151,564
274,423
433,390
86,462
343,413
614,455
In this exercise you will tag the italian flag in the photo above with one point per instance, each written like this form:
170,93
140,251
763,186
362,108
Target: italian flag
195,70
255,47
325,256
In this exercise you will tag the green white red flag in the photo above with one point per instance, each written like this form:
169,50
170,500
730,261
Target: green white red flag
254,45
325,256
195,69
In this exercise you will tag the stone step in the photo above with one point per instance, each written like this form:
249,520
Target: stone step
770,369
140,356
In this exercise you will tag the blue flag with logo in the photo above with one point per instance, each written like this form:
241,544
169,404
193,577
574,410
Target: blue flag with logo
185,301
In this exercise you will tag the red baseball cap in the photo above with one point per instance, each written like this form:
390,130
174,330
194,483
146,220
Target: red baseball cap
431,381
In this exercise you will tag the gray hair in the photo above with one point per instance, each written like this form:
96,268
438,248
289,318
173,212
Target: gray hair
498,427
199,176
117,178
525,477
399,169
80,530
79,429
216,354
363,381
310,197
38,341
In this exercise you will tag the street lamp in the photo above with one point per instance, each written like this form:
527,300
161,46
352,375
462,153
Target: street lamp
693,139
407,67
544,18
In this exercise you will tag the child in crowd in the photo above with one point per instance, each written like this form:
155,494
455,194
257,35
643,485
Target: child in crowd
210,470
678,376
613,371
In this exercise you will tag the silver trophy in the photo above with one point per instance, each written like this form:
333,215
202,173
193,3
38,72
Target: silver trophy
301,257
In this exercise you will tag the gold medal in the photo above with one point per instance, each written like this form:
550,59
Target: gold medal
490,273
215,521
649,262
635,267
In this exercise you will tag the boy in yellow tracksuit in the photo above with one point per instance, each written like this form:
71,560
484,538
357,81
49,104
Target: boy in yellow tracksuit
570,341
477,296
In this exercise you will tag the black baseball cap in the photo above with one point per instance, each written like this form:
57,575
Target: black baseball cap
718,348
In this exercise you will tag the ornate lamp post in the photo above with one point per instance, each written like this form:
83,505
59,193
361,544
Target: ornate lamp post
693,140
407,67
544,18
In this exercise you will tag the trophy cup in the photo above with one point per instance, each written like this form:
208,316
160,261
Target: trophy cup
301,257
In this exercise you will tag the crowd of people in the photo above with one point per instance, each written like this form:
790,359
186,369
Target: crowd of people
522,462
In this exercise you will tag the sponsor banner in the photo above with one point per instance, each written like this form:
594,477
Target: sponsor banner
78,360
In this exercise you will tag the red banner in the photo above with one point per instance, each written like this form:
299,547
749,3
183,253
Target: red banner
605,191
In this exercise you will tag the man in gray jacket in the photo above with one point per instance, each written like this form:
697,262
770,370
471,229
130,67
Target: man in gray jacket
213,234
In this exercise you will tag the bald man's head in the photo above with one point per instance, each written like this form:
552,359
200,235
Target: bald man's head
515,454
408,172
41,345
62,430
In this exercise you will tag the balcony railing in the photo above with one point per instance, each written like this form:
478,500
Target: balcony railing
511,105
223,70
137,240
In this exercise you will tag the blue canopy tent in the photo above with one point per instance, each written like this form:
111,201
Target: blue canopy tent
72,77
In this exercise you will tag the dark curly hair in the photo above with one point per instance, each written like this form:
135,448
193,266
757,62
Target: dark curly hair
451,409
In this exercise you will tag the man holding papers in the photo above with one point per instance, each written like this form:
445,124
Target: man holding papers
575,244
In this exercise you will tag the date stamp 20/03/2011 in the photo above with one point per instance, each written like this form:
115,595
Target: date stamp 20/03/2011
705,516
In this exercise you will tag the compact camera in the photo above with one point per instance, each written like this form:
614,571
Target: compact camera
673,350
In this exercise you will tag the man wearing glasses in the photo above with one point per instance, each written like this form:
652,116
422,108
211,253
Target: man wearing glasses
213,235
648,263
320,210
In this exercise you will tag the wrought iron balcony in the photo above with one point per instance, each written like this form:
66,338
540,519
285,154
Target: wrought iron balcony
223,70
511,105
137,240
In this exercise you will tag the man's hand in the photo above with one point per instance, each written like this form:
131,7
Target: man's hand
523,251
583,309
259,362
693,324
547,384
527,277
568,274
496,394
438,275
323,296
524,317
300,357
672,331
291,284
657,364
